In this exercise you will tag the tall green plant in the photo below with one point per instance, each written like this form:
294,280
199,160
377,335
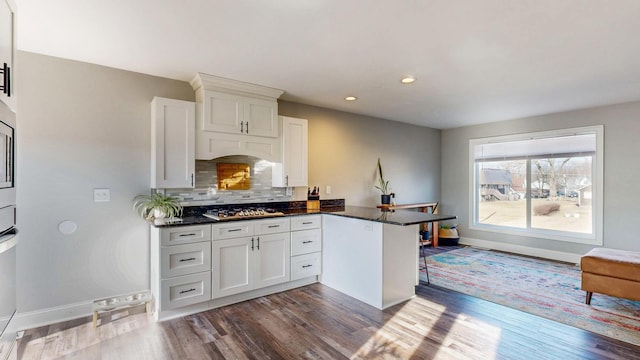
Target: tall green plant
146,206
383,185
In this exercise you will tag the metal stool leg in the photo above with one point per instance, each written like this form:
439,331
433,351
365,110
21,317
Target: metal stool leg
426,269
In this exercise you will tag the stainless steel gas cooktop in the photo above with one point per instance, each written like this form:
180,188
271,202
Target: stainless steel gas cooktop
241,213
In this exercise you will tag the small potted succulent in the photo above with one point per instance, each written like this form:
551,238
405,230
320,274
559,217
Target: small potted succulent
383,186
157,206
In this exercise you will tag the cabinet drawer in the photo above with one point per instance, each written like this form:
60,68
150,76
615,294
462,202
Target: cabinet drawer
305,265
232,229
306,222
185,259
185,290
306,241
272,226
185,234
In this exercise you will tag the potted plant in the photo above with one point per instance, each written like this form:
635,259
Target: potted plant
157,206
383,186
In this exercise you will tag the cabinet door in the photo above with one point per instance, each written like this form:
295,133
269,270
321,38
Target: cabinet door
292,170
7,51
232,229
272,226
211,145
306,222
306,241
305,265
185,259
260,117
232,266
172,143
185,234
185,290
272,259
223,112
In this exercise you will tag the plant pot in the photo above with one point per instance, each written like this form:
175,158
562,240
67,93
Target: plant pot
159,214
385,199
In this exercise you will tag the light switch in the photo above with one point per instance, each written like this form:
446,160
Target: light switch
101,195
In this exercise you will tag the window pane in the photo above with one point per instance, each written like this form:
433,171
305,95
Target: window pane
561,194
501,193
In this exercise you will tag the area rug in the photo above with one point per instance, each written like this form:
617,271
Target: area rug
545,288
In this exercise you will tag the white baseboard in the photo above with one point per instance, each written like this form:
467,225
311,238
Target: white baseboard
49,316
33,319
523,250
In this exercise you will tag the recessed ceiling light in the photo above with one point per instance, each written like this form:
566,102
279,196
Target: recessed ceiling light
408,80
351,98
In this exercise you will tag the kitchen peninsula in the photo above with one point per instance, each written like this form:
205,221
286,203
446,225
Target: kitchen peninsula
372,254
200,262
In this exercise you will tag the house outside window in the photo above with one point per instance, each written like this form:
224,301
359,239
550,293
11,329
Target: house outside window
546,184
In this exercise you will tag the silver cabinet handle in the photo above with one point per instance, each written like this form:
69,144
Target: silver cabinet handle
247,129
192,180
186,291
241,126
307,223
286,180
273,226
252,244
192,234
189,259
258,245
307,242
306,266
234,230
6,83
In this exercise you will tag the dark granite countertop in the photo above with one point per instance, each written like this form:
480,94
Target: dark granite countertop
395,217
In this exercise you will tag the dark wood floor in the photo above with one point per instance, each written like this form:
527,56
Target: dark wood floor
317,322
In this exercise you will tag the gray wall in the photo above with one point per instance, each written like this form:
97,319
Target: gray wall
344,150
621,173
83,126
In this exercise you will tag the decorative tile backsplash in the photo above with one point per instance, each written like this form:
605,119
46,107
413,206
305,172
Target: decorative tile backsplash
206,190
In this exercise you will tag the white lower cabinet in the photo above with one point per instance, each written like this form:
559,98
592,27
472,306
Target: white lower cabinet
306,246
306,265
247,263
180,266
197,267
232,266
185,290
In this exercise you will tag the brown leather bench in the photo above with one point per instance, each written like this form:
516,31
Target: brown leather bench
611,272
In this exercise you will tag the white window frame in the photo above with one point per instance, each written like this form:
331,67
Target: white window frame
595,238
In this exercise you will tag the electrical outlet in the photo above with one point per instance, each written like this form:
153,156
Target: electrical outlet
101,195
328,190
289,191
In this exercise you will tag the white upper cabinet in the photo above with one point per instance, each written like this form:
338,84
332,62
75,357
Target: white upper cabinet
7,53
235,118
234,114
292,168
172,143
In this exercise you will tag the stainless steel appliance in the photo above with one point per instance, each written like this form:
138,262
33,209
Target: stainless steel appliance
8,234
237,213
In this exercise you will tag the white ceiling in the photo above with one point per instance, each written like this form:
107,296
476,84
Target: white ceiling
476,61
